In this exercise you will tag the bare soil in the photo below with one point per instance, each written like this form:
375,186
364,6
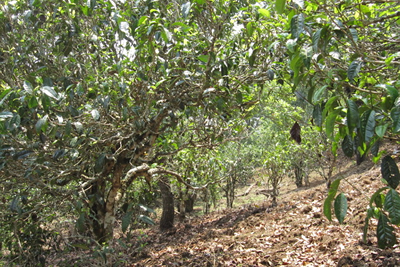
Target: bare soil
294,233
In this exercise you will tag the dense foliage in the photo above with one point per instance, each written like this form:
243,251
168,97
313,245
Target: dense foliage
98,94
344,58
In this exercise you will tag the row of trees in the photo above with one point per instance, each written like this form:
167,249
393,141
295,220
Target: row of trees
99,94
95,95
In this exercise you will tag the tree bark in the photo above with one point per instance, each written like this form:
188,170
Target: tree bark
298,173
114,195
189,201
96,219
104,204
168,213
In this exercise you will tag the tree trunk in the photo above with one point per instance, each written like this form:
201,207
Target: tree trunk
96,218
168,213
104,205
230,188
181,204
206,201
298,173
189,201
114,195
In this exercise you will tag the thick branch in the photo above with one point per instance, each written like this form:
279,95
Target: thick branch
135,172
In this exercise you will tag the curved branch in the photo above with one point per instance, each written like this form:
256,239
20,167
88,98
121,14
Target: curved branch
178,176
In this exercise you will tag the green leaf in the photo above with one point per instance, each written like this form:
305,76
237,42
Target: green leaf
333,188
250,27
6,115
375,149
291,44
49,91
14,122
146,209
80,223
297,25
340,207
22,154
354,34
203,58
46,103
392,204
33,103
353,118
368,125
353,70
146,219
376,195
68,128
380,130
391,90
280,6
315,40
73,141
264,12
328,208
95,114
28,87
126,221
328,201
252,56
186,9
92,4
4,95
166,35
299,3
14,206
270,74
330,123
348,146
317,115
99,164
306,54
390,171
85,10
318,94
379,200
79,127
385,233
142,20
330,105
41,124
395,115
59,153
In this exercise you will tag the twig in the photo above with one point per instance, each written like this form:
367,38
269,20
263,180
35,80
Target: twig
247,191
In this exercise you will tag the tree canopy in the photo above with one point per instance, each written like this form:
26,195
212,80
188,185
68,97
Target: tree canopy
97,94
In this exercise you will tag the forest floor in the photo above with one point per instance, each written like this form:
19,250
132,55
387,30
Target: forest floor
294,233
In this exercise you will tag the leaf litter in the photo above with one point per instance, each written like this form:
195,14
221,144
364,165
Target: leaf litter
295,233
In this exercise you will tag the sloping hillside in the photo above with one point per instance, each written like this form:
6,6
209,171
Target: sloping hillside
295,233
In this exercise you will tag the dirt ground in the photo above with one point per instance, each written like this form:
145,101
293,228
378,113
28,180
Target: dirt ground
295,233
